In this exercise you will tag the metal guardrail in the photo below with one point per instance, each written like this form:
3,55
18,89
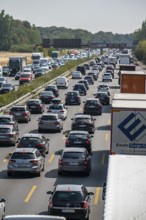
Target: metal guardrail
29,95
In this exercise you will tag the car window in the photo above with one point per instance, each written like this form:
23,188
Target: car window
56,107
48,117
5,130
75,136
22,155
30,139
67,196
73,155
5,119
18,109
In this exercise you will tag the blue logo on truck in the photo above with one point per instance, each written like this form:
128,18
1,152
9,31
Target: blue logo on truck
133,127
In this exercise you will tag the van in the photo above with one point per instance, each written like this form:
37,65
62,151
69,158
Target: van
33,217
25,78
62,82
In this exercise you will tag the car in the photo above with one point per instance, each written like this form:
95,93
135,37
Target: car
27,70
89,79
49,121
17,76
82,69
32,140
25,77
103,97
39,72
85,82
92,106
3,79
62,82
59,109
92,62
35,106
76,75
25,160
87,66
80,87
56,100
93,74
72,98
2,208
20,113
6,119
46,97
52,88
8,134
74,159
70,201
6,71
83,122
103,87
107,77
7,87
96,68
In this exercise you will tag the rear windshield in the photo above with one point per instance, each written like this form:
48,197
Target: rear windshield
30,140
67,196
92,102
49,117
73,155
5,130
56,107
72,94
75,136
22,155
18,109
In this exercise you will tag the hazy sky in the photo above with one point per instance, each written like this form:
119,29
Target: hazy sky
117,16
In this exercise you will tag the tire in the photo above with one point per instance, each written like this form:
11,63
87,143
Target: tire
87,218
59,173
39,130
87,173
38,174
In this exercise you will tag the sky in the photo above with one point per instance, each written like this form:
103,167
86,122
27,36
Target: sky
116,16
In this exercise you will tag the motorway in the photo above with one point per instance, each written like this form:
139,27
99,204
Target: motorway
25,194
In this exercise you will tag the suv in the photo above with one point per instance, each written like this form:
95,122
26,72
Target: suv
103,97
82,69
21,113
80,87
35,141
83,123
72,97
85,82
70,201
8,120
92,106
26,160
103,87
53,88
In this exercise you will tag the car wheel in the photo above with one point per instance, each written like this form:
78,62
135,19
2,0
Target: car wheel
39,130
9,173
59,173
87,218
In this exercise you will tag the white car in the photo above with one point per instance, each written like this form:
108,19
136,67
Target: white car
2,208
103,88
76,75
107,77
59,109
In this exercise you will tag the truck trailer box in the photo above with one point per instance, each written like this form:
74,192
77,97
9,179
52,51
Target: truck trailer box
129,96
125,188
128,127
133,82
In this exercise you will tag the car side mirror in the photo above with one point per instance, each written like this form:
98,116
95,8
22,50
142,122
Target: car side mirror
104,191
90,193
48,139
49,192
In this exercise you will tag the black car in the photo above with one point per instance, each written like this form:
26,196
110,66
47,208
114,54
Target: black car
87,66
7,87
6,71
46,97
72,98
79,139
85,82
92,106
35,141
82,69
35,106
103,97
80,87
52,88
70,201
89,79
94,74
83,122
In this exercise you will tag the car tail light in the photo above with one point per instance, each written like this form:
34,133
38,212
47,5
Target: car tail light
49,111
35,162
11,161
50,204
85,205
41,122
39,145
24,114
57,123
60,162
67,141
88,142
85,162
11,135
62,111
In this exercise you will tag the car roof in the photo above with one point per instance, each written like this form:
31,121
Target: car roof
68,187
6,126
19,106
92,99
6,116
49,114
38,100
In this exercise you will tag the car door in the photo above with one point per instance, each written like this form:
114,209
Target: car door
1,210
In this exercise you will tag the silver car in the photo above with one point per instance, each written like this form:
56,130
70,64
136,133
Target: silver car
59,109
26,160
8,134
74,159
50,121
2,208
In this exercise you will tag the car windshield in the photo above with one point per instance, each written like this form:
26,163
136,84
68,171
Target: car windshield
75,136
101,94
22,155
34,140
48,117
61,196
33,102
72,94
5,130
73,155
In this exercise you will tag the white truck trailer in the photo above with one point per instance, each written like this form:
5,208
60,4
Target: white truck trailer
129,96
125,191
128,127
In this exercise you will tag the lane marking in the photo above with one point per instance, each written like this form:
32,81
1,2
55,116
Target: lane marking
51,158
5,160
103,159
96,198
109,121
30,194
80,109
106,136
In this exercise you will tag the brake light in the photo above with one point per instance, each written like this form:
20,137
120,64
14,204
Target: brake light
67,141
24,114
85,162
11,135
50,204
85,205
49,111
11,161
57,123
60,162
88,142
20,145
39,145
62,111
35,162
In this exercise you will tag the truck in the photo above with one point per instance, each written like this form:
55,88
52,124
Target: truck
124,59
36,56
128,127
124,191
133,82
16,64
129,96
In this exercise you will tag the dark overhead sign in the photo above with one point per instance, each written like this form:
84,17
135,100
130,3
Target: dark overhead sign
46,43
67,43
116,45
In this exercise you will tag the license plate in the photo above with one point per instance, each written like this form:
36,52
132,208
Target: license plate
77,142
17,114
68,210
82,126
33,106
3,137
74,164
